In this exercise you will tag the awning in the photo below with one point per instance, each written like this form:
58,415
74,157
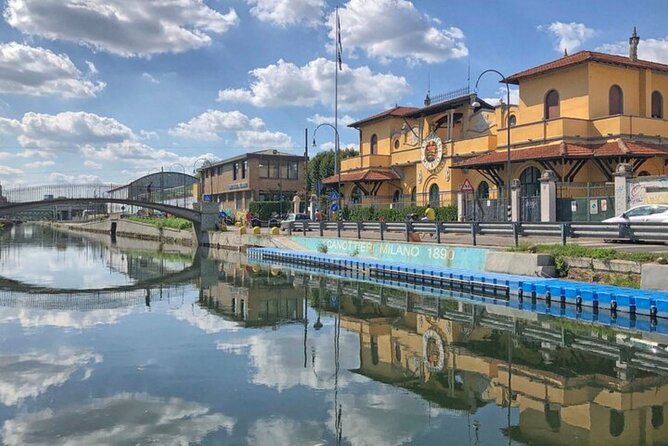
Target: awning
362,176
570,151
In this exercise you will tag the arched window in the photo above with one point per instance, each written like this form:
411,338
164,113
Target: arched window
483,190
643,173
396,197
512,121
413,196
552,104
374,144
434,195
615,101
530,182
657,105
553,416
616,427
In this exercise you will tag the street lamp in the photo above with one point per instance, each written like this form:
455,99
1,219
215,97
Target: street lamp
477,104
184,180
337,169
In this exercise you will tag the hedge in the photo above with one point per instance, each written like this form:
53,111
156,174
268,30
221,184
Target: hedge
445,213
171,222
264,209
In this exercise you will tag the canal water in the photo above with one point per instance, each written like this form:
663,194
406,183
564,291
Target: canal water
133,343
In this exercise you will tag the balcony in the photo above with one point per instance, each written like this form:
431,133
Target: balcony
554,130
365,161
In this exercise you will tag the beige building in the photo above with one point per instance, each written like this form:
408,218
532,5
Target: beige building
266,175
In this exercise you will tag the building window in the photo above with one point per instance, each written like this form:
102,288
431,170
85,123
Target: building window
374,144
396,198
293,170
552,104
657,416
414,195
434,195
483,190
530,182
657,105
616,100
396,144
218,171
616,427
264,169
512,121
235,171
283,168
244,169
356,195
273,168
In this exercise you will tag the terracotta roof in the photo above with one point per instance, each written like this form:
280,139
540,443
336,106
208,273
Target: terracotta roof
586,56
363,175
567,150
397,111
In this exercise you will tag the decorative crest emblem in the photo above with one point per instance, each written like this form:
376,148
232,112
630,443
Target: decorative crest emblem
432,152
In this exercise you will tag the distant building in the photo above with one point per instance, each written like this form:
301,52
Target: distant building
266,175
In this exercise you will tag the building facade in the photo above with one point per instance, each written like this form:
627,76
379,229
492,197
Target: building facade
578,116
266,175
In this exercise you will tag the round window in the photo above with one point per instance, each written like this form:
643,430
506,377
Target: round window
396,144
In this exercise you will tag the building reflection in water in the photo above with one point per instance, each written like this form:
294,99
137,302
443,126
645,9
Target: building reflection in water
566,383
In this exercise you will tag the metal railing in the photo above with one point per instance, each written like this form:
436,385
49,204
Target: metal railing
415,231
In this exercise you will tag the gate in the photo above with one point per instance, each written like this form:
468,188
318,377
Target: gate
490,208
530,209
585,202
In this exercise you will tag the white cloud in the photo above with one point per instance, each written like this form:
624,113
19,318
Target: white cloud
92,69
149,78
39,164
263,139
568,36
28,375
79,320
283,431
503,96
61,178
168,421
210,124
92,165
317,119
8,171
395,29
124,27
284,83
287,12
39,71
648,49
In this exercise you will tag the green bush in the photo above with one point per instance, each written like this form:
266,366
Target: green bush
264,209
446,213
171,222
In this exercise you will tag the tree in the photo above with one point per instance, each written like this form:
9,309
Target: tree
322,166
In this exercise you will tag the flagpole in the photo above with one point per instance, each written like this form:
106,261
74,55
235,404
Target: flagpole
337,67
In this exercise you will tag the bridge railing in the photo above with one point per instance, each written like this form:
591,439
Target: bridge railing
416,231
51,192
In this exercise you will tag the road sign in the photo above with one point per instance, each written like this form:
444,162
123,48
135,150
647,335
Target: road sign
208,198
334,207
334,196
466,186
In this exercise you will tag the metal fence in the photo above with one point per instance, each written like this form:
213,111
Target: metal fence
585,202
415,231
492,206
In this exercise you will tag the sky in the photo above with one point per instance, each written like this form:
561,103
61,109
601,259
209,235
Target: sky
105,91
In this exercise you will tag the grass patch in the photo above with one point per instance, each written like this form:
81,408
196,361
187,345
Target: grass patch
171,222
592,253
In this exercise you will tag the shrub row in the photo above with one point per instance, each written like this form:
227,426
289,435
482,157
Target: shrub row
264,209
171,222
445,213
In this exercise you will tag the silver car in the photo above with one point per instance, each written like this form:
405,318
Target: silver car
292,218
645,213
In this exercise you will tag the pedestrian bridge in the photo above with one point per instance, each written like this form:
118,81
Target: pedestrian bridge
20,199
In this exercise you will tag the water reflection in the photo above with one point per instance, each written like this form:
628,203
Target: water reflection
189,349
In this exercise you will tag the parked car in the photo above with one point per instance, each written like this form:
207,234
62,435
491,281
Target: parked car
646,213
292,217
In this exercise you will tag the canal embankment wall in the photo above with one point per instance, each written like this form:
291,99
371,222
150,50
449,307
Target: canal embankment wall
480,259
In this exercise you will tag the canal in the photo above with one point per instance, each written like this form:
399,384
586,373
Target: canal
135,343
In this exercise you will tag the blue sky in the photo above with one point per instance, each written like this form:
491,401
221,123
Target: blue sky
108,90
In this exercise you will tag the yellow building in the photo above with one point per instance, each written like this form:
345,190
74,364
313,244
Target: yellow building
579,116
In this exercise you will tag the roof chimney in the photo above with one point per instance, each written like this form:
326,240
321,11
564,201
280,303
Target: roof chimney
633,45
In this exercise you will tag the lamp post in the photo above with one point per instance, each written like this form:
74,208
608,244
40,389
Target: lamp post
337,169
477,104
184,180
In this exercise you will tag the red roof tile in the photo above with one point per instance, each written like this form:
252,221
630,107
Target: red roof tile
567,150
586,56
363,175
397,111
